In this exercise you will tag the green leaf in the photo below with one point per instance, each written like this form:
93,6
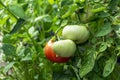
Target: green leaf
28,57
39,18
64,23
7,38
17,10
113,4
109,41
17,26
62,76
105,29
8,67
24,53
51,1
8,49
20,51
104,14
115,75
88,63
82,1
70,10
75,69
110,64
95,76
98,9
103,47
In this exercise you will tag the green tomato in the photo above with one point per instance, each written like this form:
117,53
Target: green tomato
64,48
77,33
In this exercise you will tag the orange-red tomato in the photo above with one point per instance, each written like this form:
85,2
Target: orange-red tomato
49,53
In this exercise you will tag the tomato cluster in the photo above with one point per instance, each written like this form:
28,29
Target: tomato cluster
61,51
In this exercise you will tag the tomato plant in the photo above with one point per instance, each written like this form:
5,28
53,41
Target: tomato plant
93,25
51,55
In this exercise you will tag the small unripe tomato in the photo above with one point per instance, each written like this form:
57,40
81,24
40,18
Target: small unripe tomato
64,48
77,33
51,55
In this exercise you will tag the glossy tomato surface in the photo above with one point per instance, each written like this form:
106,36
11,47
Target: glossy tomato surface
49,53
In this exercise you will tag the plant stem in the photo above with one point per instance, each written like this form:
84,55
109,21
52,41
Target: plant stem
76,73
16,74
56,32
8,10
32,40
58,29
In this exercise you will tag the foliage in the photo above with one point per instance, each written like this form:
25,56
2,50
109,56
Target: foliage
26,26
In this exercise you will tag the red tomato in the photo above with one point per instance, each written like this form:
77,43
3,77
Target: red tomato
51,55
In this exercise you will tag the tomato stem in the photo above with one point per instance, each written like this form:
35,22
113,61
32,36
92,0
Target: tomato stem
56,32
58,29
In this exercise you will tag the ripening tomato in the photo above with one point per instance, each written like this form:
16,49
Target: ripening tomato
64,48
51,55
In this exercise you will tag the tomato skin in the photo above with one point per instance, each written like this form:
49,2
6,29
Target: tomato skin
49,53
